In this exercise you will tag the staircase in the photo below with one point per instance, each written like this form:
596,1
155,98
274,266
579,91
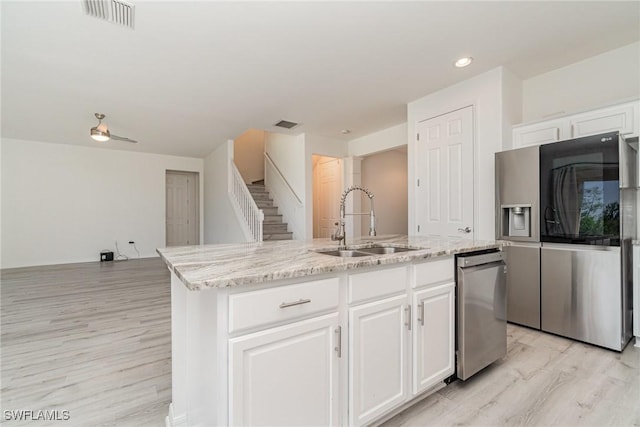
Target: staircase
272,228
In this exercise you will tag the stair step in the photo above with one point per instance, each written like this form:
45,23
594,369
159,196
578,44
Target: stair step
274,228
256,187
273,219
277,236
258,182
260,196
270,210
264,203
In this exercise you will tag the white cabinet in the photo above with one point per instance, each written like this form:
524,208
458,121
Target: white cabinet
623,118
378,337
434,335
402,345
541,133
286,375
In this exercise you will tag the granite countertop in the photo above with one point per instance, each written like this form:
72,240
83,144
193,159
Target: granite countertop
216,266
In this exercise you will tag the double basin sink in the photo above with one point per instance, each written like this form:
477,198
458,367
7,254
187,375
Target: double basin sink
372,250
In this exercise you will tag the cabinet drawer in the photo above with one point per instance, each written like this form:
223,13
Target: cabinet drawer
377,283
268,306
436,271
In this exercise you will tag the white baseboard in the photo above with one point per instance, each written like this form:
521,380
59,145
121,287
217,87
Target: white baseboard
175,421
637,342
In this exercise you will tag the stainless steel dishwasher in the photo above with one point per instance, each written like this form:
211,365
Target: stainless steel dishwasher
481,323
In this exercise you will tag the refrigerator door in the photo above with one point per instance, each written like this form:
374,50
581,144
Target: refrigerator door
523,284
517,184
581,293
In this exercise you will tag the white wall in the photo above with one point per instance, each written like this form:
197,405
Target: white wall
221,224
597,81
288,153
385,139
385,175
65,203
485,94
248,155
511,106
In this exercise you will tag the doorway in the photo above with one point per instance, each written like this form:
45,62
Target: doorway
182,208
327,188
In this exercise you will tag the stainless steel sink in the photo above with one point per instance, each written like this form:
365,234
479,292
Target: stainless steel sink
373,250
343,253
383,250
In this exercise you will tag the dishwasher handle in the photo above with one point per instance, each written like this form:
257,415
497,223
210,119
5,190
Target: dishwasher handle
479,259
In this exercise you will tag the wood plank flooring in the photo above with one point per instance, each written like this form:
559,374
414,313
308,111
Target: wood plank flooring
544,380
91,338
94,339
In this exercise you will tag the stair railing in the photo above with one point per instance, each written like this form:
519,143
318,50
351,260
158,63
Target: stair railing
245,205
280,176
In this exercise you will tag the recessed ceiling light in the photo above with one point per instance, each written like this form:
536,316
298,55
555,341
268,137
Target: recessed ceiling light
345,131
463,62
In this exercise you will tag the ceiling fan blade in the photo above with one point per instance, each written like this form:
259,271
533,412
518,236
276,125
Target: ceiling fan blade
122,138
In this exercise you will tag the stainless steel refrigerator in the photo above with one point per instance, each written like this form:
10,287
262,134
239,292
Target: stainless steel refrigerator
569,210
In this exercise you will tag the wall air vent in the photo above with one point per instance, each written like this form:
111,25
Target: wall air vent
114,11
286,124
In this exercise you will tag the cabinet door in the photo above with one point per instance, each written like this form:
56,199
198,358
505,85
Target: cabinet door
378,334
619,118
433,345
286,375
541,133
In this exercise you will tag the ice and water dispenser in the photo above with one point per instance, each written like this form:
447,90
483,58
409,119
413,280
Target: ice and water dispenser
516,220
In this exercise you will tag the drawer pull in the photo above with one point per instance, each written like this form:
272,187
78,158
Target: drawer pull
291,304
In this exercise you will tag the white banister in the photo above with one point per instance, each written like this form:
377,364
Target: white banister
252,215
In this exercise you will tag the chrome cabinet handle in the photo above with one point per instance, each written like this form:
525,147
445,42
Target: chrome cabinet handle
291,304
421,313
465,230
407,323
338,348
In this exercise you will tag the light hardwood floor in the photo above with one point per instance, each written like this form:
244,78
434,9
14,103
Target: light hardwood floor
91,338
94,339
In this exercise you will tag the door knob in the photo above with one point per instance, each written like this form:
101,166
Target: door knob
465,230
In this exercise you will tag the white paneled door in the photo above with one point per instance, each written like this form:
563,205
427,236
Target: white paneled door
445,171
182,210
327,191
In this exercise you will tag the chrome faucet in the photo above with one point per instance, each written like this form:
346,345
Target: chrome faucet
340,235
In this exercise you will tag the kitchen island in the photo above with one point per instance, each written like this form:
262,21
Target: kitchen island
276,333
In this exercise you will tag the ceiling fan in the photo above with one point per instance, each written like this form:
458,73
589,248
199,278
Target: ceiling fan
101,132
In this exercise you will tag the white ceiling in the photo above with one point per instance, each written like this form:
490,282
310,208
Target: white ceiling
194,74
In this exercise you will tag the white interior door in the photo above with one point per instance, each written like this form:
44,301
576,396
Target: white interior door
445,171
327,185
182,223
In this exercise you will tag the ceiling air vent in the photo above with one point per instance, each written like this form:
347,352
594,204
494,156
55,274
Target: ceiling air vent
286,124
114,11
